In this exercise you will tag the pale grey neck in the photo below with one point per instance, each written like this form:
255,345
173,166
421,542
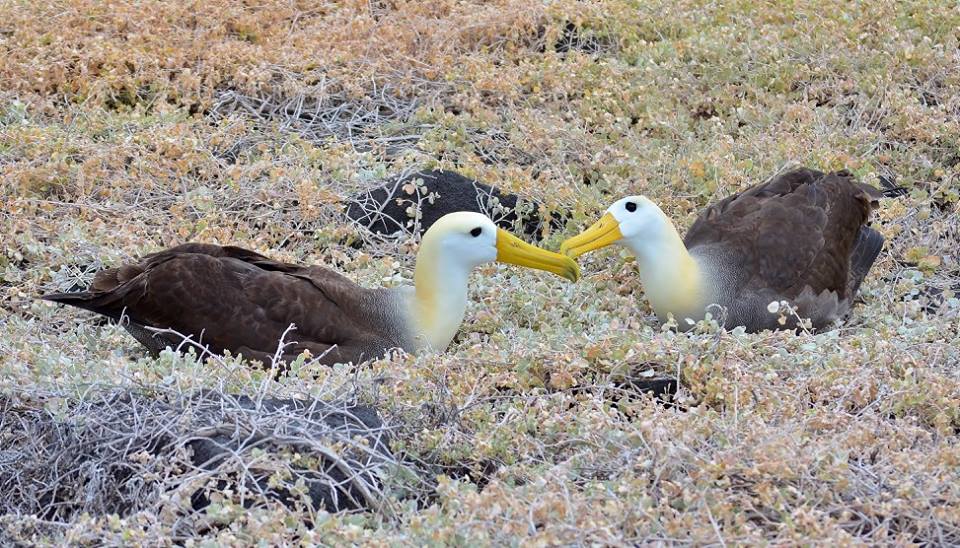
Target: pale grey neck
670,276
440,299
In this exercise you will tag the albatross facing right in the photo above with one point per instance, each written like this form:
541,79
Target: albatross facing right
800,237
228,298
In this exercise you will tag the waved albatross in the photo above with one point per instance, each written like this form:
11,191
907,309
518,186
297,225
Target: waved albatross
228,298
800,237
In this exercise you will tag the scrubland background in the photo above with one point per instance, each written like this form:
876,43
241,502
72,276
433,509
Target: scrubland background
129,126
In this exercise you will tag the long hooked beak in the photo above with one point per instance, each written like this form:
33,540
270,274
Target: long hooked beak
513,250
601,234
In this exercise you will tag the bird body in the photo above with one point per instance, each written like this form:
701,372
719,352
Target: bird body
800,237
229,298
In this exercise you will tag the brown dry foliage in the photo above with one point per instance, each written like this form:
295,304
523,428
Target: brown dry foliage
127,126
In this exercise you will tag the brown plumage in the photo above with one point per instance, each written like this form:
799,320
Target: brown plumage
800,237
228,298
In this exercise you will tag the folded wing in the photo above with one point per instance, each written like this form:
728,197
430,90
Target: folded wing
229,298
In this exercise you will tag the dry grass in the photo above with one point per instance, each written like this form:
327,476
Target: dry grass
125,127
187,463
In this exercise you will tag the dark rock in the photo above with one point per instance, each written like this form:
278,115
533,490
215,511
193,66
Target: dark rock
115,453
890,189
662,388
329,486
386,209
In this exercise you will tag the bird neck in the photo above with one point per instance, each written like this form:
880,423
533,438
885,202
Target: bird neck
440,298
672,278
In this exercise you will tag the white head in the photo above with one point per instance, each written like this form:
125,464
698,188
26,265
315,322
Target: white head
671,278
450,249
465,238
631,220
637,216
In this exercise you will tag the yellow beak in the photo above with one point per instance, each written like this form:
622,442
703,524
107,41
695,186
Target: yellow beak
603,233
513,250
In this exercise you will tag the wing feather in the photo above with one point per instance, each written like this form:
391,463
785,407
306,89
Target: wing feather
235,299
795,231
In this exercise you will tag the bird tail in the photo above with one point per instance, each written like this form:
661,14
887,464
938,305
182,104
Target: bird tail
866,249
87,300
78,298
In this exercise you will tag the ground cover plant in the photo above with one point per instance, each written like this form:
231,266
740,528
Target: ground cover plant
130,126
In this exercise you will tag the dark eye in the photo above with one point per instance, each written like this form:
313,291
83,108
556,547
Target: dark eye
476,232
631,206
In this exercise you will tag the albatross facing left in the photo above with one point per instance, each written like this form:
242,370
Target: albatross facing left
228,298
800,237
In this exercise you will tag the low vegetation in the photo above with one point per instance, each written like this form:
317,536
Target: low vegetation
126,127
